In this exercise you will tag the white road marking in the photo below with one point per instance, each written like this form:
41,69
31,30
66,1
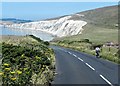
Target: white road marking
69,52
74,55
80,59
105,80
89,66
92,69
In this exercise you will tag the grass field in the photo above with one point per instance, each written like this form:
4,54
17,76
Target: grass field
95,34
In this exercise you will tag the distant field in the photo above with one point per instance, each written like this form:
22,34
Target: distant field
95,34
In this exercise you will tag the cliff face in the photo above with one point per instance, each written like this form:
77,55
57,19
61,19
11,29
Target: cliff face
59,27
105,17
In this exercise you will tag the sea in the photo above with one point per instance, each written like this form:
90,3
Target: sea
22,32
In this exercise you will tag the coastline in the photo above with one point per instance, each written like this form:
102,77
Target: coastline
22,32
31,30
57,28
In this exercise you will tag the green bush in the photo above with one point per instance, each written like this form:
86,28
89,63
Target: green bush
20,63
34,37
47,43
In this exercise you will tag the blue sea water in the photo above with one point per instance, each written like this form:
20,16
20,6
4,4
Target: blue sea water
42,35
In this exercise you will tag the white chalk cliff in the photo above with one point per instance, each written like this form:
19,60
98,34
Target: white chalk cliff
59,27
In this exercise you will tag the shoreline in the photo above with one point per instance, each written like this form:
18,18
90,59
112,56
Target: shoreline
23,32
57,28
32,30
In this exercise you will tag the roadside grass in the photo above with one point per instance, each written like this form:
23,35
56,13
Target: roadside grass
108,53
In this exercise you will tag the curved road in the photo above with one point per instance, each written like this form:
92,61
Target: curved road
73,67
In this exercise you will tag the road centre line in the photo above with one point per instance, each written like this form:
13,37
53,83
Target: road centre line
89,66
80,59
93,69
69,52
106,80
74,55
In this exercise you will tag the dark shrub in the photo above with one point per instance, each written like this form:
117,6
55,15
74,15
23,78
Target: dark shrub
46,43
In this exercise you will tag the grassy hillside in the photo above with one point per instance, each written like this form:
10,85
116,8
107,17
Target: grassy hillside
26,60
95,35
106,17
101,28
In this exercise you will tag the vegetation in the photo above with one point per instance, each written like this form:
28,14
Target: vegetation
105,17
101,28
97,35
26,61
85,45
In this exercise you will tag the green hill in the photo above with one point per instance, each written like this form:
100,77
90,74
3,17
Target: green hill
102,25
106,17
101,28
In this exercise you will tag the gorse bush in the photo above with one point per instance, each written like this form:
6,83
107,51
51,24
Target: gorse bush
20,63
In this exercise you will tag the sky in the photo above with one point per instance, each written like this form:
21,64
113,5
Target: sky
44,10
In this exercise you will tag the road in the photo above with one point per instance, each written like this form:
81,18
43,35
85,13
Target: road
73,67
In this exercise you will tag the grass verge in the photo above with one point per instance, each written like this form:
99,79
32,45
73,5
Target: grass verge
107,52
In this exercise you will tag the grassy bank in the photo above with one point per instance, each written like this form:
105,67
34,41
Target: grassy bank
26,60
95,34
107,52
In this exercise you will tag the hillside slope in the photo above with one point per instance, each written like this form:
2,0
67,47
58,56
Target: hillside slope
101,30
101,27
98,25
106,17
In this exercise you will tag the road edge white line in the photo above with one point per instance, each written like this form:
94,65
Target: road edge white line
106,80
